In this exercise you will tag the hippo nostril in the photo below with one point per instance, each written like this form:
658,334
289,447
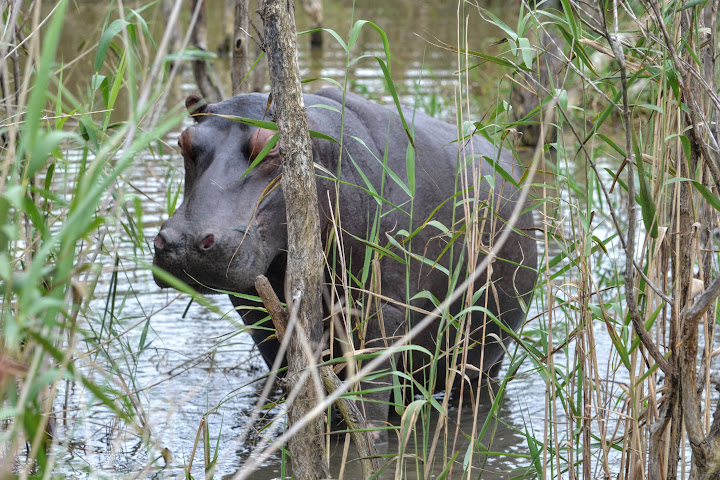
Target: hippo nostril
160,242
208,242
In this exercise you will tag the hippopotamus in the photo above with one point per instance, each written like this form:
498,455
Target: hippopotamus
231,227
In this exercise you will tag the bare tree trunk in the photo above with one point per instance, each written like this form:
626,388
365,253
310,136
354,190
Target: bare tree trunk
314,10
243,53
305,258
204,76
689,310
240,47
229,30
704,445
174,45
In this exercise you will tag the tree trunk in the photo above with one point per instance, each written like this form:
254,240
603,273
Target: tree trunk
348,409
226,46
305,258
240,44
314,10
175,43
204,76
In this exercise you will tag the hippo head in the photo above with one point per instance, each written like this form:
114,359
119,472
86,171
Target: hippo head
230,227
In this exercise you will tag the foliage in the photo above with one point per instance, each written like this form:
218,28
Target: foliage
63,205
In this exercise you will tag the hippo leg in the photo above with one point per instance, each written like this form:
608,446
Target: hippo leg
494,370
380,389
376,407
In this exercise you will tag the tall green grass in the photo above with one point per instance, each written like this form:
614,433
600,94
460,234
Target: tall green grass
63,198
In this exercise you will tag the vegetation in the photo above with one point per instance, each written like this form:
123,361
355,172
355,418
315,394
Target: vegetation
619,348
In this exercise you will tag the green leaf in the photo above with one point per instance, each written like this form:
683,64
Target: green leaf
266,149
527,52
510,32
88,131
648,326
563,100
687,148
36,104
100,82
143,23
599,314
367,182
570,20
115,90
396,99
671,78
487,58
46,144
113,29
691,4
381,250
434,264
711,198
612,144
647,204
355,33
654,108
326,107
410,167
497,168
338,38
438,225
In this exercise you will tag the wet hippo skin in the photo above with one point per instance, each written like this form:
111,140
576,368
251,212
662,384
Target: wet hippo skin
224,234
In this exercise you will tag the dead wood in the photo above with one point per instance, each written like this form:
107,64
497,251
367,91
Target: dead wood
305,263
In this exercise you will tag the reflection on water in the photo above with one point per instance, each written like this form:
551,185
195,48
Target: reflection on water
189,364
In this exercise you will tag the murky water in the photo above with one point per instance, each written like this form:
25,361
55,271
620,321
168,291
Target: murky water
189,363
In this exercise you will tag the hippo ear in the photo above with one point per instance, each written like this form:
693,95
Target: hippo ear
195,104
185,143
259,141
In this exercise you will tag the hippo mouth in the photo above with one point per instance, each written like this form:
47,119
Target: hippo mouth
201,280
233,274
209,260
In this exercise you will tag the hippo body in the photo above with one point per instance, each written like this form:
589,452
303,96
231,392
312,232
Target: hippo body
222,237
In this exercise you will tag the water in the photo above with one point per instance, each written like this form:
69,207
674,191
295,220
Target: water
188,364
